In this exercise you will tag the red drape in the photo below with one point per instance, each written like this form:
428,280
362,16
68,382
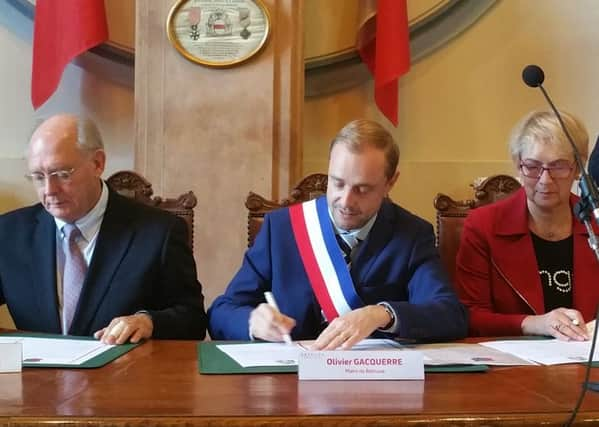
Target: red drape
62,30
384,45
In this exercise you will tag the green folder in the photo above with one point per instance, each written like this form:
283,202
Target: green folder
211,360
95,362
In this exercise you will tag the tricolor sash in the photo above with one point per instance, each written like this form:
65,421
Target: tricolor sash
322,258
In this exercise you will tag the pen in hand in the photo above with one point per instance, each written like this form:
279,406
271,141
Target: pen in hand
270,300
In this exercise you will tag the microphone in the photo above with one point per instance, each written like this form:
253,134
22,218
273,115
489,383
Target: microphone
588,204
533,75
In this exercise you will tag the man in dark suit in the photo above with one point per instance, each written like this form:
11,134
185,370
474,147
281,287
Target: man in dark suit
125,274
395,285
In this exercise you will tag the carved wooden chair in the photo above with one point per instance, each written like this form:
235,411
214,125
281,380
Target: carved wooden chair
452,213
133,185
308,188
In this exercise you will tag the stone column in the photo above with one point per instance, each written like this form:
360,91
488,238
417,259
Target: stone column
219,132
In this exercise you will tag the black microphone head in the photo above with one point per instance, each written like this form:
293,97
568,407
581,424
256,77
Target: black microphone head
533,75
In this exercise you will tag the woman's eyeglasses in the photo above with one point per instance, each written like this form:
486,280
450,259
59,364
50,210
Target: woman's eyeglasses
559,169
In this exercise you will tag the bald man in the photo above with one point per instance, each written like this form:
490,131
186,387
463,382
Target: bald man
127,272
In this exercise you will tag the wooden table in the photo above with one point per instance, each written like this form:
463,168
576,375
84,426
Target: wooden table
158,384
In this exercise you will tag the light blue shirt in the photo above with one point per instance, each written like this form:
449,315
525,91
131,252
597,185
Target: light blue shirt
354,237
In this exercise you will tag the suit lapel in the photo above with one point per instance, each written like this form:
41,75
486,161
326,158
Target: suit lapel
512,249
515,261
373,246
43,267
113,241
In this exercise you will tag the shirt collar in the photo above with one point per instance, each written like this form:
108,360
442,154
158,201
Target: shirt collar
90,223
357,233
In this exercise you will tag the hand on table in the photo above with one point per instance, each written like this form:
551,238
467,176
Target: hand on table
132,328
347,330
562,323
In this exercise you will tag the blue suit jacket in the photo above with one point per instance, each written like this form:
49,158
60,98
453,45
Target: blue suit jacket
397,263
141,261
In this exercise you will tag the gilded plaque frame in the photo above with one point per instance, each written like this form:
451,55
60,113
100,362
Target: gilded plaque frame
218,33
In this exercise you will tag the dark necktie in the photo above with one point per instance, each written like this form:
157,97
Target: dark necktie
75,269
345,248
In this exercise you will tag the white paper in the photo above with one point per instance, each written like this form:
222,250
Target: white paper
281,354
262,354
546,352
57,351
467,354
10,356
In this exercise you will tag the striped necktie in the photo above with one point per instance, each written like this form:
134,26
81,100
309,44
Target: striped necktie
345,248
75,269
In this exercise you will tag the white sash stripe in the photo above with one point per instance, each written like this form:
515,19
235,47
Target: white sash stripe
323,258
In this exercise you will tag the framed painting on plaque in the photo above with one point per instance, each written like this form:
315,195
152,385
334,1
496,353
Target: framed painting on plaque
218,33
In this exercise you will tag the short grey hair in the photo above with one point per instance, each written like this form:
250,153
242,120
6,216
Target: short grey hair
89,137
544,127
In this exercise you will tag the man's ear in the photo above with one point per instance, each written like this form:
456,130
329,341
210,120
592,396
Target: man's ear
393,180
99,159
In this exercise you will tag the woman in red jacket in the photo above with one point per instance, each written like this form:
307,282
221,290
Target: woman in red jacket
524,265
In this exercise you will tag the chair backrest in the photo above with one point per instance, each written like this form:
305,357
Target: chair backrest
452,213
133,185
308,188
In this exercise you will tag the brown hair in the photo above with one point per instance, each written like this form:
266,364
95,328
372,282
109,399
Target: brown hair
359,133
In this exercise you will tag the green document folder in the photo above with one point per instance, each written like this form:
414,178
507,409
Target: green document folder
211,360
95,362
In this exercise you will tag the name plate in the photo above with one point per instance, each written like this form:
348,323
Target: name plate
11,357
361,365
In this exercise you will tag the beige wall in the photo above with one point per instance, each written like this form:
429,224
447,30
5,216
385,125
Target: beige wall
458,105
219,132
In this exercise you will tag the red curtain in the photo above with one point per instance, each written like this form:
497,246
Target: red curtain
384,45
62,30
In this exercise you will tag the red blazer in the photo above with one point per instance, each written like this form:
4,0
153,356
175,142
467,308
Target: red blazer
497,275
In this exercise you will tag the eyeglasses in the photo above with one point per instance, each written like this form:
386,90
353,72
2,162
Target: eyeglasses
559,169
39,178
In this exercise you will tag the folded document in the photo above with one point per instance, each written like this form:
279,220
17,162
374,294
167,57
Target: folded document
256,354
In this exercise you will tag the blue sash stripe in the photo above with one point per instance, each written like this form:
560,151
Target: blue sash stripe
328,233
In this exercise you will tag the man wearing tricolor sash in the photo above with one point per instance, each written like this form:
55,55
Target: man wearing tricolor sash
345,266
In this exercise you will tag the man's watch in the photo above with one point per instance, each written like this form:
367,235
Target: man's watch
391,314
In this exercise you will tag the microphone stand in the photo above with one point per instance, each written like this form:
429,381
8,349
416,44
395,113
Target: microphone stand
585,208
581,210
588,205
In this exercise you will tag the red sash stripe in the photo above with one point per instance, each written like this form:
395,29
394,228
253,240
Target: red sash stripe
306,251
